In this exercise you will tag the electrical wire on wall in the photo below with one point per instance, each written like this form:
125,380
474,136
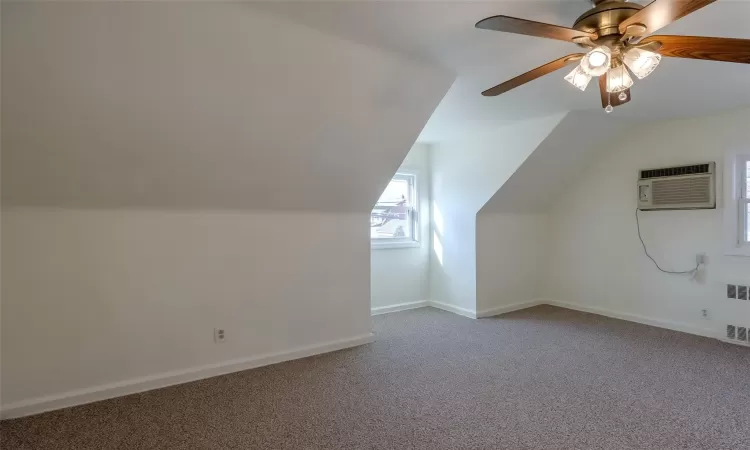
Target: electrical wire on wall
692,271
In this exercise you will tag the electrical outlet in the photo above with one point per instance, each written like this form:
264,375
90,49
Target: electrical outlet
219,335
705,315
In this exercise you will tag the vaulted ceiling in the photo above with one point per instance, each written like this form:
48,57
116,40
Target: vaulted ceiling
575,142
444,33
200,105
287,105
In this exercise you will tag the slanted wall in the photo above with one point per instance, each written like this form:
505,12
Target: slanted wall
173,167
200,105
466,173
513,229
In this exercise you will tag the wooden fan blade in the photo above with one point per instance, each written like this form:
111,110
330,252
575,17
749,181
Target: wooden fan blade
699,47
533,74
531,28
661,13
613,98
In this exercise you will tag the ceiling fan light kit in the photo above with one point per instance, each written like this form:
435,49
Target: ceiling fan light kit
597,61
641,62
578,78
618,79
615,34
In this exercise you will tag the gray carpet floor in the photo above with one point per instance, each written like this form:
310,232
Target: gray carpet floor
542,378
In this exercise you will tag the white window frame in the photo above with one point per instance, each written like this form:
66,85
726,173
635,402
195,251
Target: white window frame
412,177
736,201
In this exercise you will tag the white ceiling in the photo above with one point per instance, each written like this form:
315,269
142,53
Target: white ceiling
444,33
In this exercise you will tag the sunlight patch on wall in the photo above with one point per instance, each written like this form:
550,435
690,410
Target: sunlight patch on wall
437,247
437,218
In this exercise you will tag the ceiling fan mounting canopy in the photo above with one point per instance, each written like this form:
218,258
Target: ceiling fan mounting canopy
615,34
605,18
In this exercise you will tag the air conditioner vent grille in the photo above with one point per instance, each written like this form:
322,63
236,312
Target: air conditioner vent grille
677,191
679,187
676,171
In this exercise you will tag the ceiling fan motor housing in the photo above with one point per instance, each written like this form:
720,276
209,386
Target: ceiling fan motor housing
604,18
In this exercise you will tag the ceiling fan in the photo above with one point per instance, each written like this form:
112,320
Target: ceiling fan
615,34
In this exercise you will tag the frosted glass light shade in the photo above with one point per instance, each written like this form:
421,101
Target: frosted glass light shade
596,62
618,79
578,78
641,62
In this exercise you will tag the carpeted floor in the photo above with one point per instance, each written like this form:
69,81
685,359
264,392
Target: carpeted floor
542,378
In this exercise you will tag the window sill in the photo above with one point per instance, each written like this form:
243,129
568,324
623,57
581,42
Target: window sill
738,251
393,245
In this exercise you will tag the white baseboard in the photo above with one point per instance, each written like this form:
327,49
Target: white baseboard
729,341
141,384
507,308
485,312
454,309
398,307
668,324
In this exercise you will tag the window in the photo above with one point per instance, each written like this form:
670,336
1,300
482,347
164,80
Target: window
744,176
393,220
737,198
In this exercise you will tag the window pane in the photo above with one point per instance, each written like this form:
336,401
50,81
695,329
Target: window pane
747,181
391,217
396,191
747,222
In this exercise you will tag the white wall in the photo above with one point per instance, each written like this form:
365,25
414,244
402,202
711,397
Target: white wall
132,126
595,258
466,173
511,260
512,227
401,275
93,297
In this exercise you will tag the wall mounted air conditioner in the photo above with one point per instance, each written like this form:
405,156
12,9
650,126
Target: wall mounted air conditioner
682,187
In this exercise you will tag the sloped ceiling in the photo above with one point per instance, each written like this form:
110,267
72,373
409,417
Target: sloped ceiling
559,158
200,105
443,32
